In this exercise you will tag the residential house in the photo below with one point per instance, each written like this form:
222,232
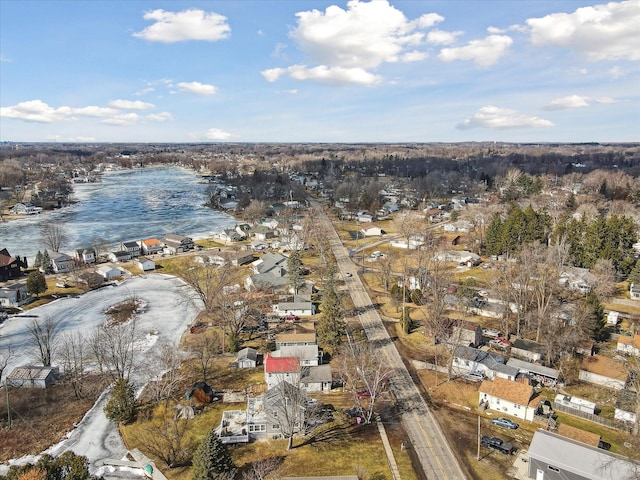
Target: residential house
177,243
308,355
61,262
269,271
263,232
90,278
461,226
458,256
279,369
629,345
634,291
235,259
513,398
150,246
119,256
469,360
554,457
537,374
364,217
10,266
613,318
467,333
579,435
109,272
242,426
258,245
247,358
299,306
132,247
229,235
85,255
31,376
24,208
626,407
527,350
289,242
300,335
14,295
604,371
317,379
277,407
145,264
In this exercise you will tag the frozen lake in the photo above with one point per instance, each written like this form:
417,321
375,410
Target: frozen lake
127,205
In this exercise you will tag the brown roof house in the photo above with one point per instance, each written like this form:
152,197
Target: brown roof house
513,398
31,376
604,371
10,266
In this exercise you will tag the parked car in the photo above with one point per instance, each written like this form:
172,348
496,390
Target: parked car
348,274
473,377
500,342
364,394
497,444
491,333
505,422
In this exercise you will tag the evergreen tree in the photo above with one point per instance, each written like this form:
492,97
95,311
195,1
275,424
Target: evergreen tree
405,321
36,283
294,271
37,262
46,261
211,459
596,312
571,204
493,236
122,405
331,327
634,276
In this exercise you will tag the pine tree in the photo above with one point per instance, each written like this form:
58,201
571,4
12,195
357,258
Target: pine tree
331,327
122,406
211,459
46,261
36,283
597,316
37,262
493,236
294,271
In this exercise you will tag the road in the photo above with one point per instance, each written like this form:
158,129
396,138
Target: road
431,447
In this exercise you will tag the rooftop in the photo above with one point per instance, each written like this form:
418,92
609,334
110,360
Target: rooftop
515,392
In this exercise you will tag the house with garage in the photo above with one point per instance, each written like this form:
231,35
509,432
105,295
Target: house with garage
173,243
14,295
629,345
370,230
146,264
604,371
469,360
85,255
317,379
296,306
61,262
269,271
554,457
119,256
25,208
132,247
300,335
31,376
10,266
263,232
150,246
513,398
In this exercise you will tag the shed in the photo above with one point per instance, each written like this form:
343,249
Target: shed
247,358
31,376
145,264
575,403
527,350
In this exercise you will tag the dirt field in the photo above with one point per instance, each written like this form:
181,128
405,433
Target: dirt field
37,421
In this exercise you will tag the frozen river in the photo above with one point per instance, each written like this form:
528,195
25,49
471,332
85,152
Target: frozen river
127,205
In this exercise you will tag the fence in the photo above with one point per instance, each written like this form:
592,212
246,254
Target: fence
587,416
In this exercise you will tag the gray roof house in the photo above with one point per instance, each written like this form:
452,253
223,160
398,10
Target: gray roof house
554,457
527,350
31,376
471,360
61,262
269,271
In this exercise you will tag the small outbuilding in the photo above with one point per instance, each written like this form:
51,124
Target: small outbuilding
247,358
145,264
31,376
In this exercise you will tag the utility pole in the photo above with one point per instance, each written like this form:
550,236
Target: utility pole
6,391
479,439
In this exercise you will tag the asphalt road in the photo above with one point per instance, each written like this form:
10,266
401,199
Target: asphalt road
431,447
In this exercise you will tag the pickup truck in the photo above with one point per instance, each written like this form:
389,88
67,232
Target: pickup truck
497,444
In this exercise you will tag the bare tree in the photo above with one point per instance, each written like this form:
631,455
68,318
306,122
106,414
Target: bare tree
604,274
365,373
54,235
165,436
264,469
113,347
208,280
43,335
204,350
5,358
285,405
73,353
167,359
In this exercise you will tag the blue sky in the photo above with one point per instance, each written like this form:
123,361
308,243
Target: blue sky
316,71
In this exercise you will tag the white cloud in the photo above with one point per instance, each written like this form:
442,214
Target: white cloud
159,117
440,37
36,111
93,111
124,119
413,56
324,74
217,134
197,88
192,24
58,138
600,32
484,53
615,72
570,101
5,59
145,91
501,119
131,104
346,44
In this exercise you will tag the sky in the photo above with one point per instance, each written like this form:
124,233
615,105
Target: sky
381,71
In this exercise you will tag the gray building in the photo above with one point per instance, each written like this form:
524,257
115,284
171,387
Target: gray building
554,457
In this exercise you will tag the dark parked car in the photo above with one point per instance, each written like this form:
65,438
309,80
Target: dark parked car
497,444
505,422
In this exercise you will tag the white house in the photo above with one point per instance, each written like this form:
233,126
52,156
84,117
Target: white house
625,409
150,246
309,355
247,358
61,262
279,369
14,295
634,291
513,398
25,208
468,360
145,264
132,247
316,379
604,371
527,350
85,255
575,403
109,272
371,231
298,308
629,345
